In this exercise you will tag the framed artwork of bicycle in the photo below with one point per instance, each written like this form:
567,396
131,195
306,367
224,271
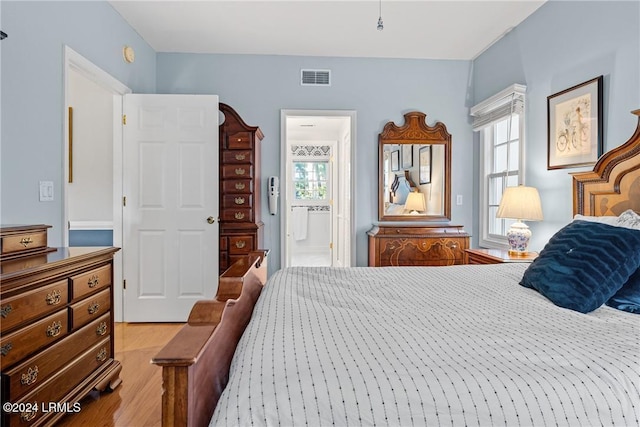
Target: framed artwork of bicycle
574,126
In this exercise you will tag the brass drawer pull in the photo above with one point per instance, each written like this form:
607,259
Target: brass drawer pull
101,329
54,329
239,215
102,355
26,241
240,171
54,297
240,185
4,350
93,281
239,200
30,377
240,244
240,156
93,308
27,416
4,311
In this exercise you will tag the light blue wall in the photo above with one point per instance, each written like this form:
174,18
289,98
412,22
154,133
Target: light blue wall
379,90
562,44
33,96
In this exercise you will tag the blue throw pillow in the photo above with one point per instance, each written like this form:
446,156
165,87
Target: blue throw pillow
628,297
584,264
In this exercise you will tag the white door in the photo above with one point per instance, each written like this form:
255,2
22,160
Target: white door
171,232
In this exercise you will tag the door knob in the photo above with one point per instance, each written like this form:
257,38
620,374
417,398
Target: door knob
211,220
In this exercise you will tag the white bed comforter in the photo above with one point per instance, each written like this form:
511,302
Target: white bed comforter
445,346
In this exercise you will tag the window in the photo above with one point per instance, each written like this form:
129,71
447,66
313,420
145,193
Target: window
310,181
500,121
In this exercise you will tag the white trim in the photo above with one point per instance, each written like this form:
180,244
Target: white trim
78,63
499,99
90,225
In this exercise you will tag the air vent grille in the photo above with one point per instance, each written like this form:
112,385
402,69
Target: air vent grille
315,77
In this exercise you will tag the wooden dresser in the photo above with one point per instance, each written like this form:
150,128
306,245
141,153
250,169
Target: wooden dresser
56,341
240,188
406,245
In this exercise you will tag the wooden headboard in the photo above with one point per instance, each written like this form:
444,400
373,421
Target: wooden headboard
613,186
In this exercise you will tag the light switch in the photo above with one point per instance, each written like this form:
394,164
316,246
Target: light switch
459,199
46,191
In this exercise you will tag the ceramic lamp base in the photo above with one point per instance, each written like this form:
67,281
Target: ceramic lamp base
518,237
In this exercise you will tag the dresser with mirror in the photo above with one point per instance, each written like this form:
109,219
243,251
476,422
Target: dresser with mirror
414,197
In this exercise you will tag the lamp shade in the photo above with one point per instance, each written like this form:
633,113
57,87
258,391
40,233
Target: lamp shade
522,203
415,202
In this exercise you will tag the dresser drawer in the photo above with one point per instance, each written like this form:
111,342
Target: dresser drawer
243,186
417,251
236,171
237,156
237,215
57,386
90,281
90,308
233,201
239,140
21,343
240,244
33,304
24,242
35,371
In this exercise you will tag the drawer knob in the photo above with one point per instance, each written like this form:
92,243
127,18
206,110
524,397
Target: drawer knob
30,377
4,350
240,244
54,329
240,171
240,185
101,329
239,215
27,416
93,281
102,355
239,200
4,311
93,308
26,241
240,156
54,297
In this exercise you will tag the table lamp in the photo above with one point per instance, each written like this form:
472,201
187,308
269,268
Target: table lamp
415,203
520,203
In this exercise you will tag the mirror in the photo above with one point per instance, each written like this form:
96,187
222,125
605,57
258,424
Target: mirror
414,171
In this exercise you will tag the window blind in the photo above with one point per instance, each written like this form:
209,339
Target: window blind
507,102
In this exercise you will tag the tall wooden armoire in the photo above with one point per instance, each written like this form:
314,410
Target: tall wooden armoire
240,226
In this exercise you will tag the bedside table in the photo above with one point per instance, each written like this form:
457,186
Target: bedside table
496,256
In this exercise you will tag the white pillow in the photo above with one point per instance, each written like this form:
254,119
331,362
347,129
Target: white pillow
628,219
611,220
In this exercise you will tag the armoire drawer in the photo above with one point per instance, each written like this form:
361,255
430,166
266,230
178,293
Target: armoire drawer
240,244
90,308
245,156
233,201
237,215
90,281
33,304
27,340
239,140
236,171
34,371
57,386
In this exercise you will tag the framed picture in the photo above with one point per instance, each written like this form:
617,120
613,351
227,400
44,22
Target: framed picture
407,156
574,126
425,164
395,160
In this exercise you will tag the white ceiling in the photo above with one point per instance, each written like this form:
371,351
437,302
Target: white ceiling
426,29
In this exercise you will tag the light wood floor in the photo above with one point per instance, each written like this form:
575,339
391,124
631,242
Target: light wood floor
137,401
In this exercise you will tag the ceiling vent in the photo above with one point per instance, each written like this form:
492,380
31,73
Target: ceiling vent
315,77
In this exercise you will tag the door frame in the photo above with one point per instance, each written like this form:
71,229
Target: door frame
284,155
73,61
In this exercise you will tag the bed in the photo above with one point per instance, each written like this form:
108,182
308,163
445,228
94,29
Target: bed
458,345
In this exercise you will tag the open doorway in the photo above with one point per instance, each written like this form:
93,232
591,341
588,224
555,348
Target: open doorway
316,187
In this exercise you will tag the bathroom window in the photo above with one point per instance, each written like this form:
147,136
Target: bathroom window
310,181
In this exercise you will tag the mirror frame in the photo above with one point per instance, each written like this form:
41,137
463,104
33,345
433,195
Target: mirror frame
415,131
